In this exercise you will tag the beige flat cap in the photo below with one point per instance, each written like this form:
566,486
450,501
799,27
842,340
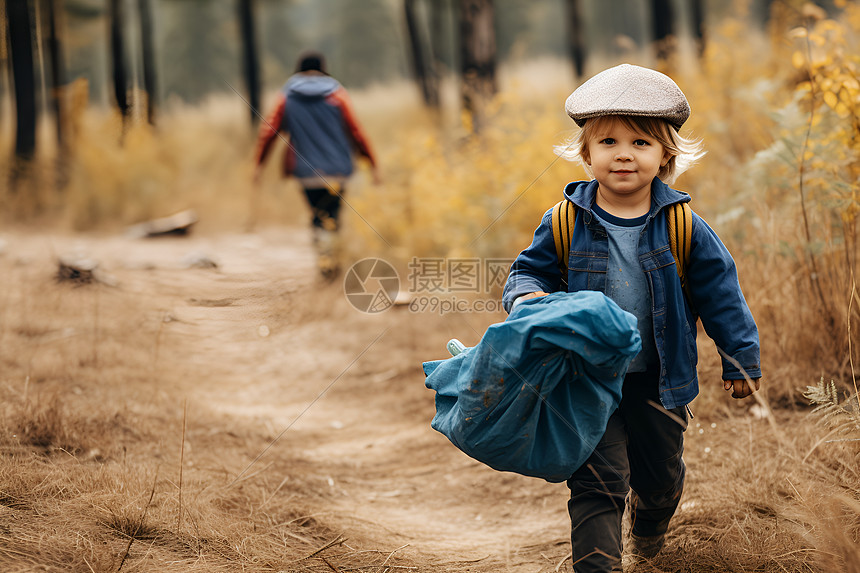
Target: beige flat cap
629,90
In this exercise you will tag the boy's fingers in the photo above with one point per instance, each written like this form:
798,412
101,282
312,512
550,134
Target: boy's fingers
741,388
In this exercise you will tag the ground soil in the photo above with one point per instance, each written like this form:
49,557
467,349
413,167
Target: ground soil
330,402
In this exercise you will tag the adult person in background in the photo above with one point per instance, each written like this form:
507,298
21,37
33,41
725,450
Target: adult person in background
315,113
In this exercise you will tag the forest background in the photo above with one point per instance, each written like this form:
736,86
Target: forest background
774,87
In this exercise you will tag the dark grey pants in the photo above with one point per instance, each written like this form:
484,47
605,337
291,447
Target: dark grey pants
641,450
325,206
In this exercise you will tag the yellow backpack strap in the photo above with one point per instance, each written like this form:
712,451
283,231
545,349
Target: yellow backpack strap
563,222
679,221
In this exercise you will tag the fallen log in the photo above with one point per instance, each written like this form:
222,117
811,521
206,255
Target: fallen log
178,224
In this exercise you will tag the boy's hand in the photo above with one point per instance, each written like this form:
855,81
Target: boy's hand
741,388
533,295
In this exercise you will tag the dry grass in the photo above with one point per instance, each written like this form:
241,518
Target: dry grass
115,505
762,505
73,514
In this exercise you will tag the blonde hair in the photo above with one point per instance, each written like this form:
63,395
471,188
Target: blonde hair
684,151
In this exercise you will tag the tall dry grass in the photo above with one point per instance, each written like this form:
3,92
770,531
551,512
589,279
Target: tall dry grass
92,493
769,498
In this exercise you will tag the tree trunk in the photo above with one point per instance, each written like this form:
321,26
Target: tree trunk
662,25
250,65
575,38
21,48
56,32
698,7
148,55
441,34
424,71
439,50
58,68
117,48
477,56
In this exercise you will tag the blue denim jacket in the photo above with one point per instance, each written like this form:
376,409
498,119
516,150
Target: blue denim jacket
715,292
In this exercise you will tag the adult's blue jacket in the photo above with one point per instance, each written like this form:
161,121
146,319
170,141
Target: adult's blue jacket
715,293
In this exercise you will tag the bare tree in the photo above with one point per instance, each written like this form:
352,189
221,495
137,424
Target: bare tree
663,29
698,7
440,10
250,64
423,64
148,55
117,48
575,37
58,69
21,50
477,55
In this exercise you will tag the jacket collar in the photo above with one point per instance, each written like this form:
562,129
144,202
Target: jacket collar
582,194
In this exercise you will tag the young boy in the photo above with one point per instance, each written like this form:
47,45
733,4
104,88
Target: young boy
629,142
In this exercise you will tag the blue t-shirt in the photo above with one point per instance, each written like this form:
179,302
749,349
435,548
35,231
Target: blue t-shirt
626,283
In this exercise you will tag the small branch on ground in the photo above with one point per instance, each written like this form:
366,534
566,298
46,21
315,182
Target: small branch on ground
181,463
337,541
560,563
139,523
384,563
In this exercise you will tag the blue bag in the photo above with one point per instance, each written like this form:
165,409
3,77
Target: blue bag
534,396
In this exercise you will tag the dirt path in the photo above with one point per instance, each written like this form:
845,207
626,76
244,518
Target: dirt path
261,342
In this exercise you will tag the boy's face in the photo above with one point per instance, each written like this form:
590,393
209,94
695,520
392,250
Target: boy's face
624,161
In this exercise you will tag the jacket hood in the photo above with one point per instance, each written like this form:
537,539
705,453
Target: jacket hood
310,85
582,194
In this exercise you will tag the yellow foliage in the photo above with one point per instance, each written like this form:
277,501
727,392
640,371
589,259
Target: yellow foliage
462,193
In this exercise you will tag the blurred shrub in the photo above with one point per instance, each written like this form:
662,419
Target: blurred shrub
804,185
453,193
